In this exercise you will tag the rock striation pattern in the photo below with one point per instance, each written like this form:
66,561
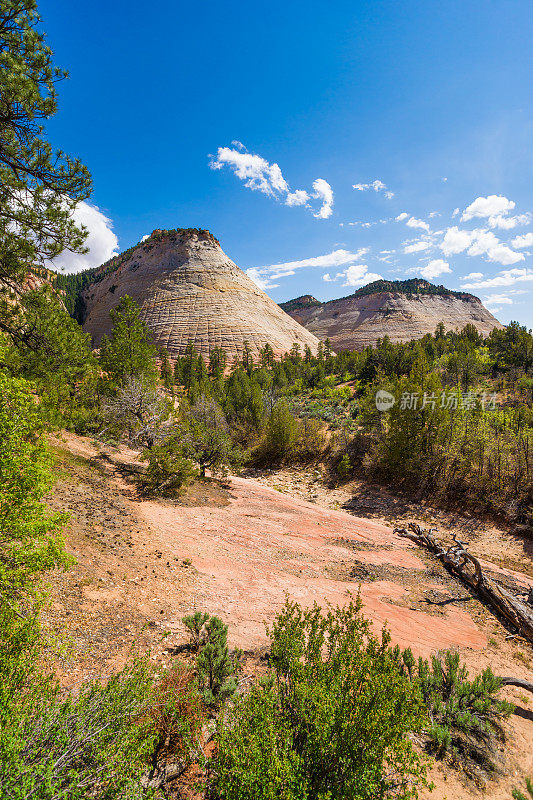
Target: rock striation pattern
189,290
358,321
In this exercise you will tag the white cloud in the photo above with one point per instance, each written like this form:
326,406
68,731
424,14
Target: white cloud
506,277
101,241
377,186
435,268
455,212
491,206
455,241
472,276
497,299
526,240
336,258
261,176
479,242
263,276
412,222
495,209
327,277
324,192
254,170
416,247
486,243
358,275
297,198
260,281
507,223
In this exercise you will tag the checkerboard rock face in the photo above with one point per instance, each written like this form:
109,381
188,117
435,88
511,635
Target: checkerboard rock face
354,323
189,290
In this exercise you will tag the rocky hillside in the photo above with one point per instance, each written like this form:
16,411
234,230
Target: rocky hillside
189,290
401,310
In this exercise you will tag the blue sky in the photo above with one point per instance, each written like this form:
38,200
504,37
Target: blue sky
257,121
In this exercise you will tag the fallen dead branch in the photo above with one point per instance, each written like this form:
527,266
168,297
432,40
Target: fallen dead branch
517,682
465,566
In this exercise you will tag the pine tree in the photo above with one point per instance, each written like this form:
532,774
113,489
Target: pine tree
217,363
128,352
165,370
267,356
295,353
247,358
188,365
39,187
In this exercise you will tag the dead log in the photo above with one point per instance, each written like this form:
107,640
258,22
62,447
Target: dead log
465,566
517,682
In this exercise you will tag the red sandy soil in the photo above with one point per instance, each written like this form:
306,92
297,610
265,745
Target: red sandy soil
237,549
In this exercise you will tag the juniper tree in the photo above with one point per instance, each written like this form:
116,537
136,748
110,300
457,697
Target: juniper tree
63,369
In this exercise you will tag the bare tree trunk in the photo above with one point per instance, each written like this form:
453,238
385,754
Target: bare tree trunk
461,563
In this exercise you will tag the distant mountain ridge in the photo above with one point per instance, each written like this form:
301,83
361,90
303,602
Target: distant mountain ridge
401,310
410,286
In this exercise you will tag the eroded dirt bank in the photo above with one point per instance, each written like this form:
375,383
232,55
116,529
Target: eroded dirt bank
236,549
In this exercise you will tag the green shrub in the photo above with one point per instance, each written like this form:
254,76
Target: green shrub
168,471
99,742
84,420
281,432
30,542
344,467
465,714
195,624
310,440
330,721
519,795
216,668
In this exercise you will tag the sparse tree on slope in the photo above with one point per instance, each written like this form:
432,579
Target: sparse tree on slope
206,438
